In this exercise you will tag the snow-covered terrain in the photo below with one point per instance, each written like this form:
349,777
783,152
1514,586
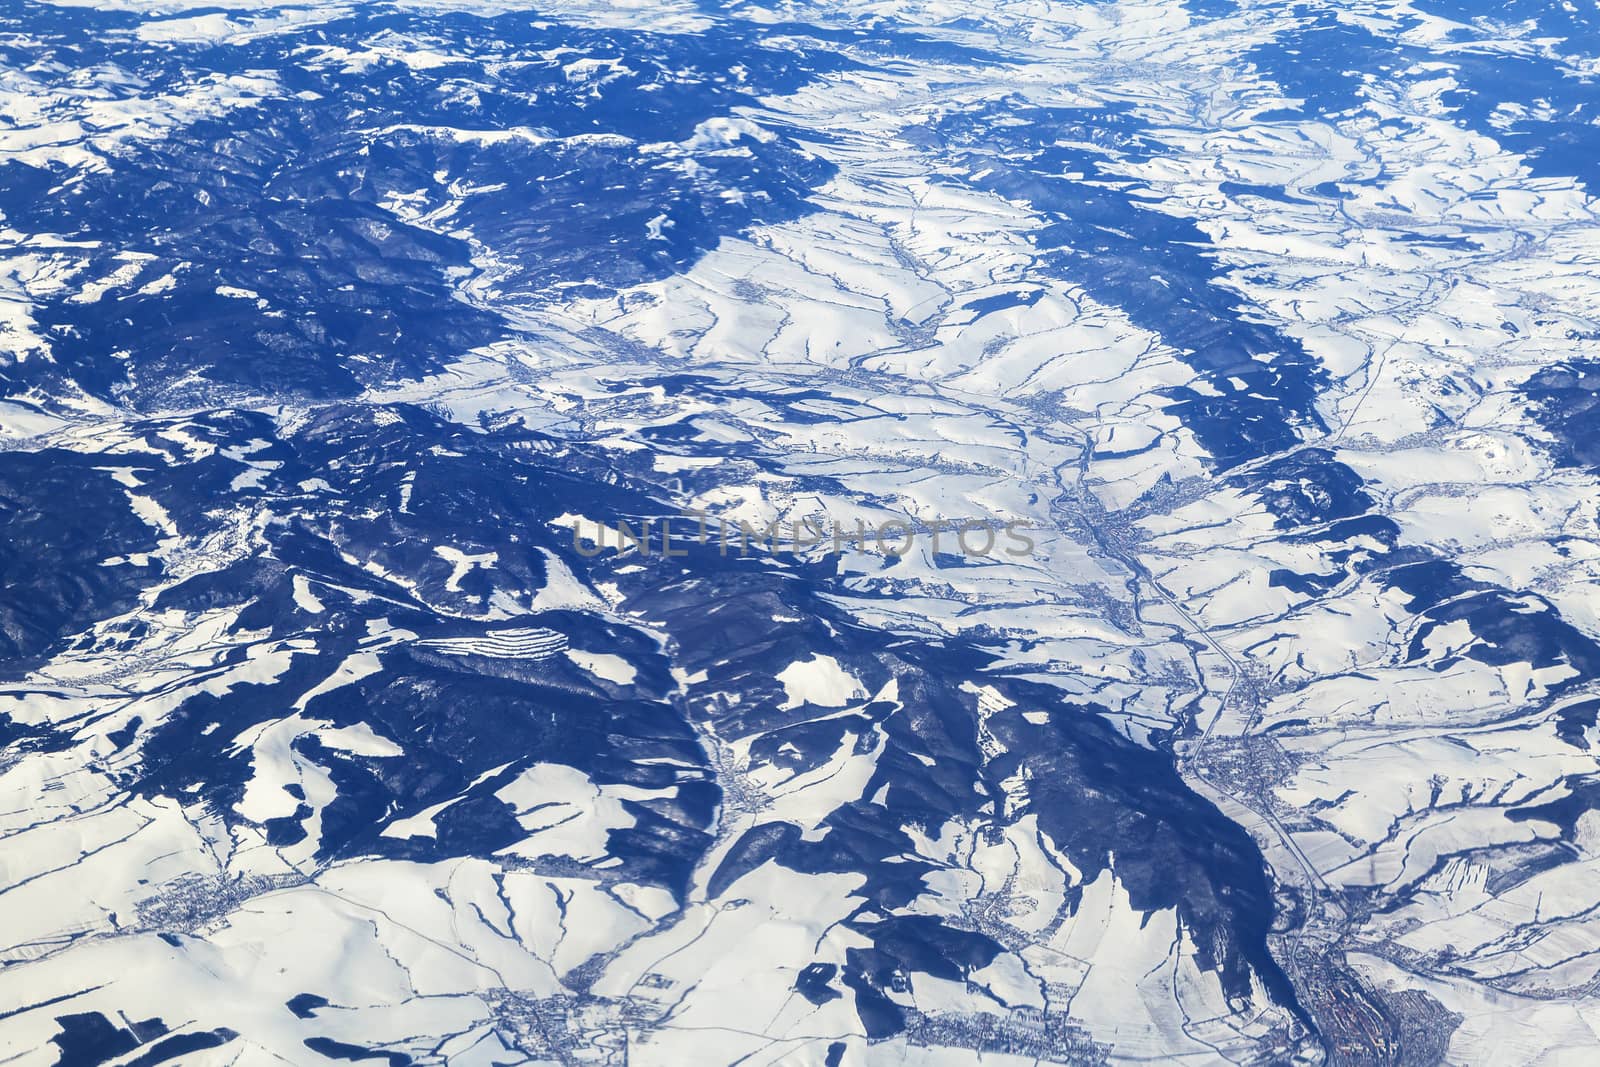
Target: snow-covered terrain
925,532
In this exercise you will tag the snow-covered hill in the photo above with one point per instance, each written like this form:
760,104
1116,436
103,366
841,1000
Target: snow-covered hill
845,534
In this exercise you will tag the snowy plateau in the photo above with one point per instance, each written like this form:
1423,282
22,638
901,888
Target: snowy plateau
446,614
